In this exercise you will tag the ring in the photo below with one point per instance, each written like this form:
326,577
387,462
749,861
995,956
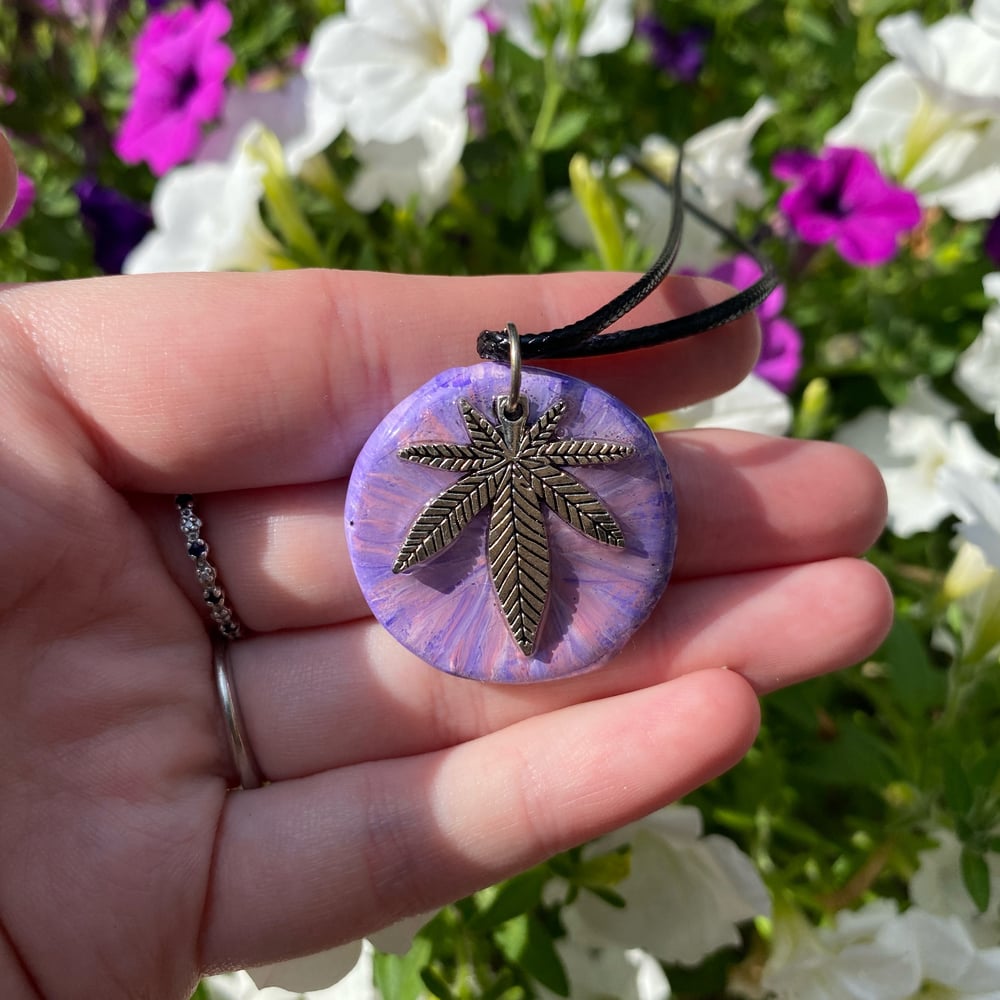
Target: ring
239,745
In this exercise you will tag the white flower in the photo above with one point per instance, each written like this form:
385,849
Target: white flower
933,116
877,954
357,984
977,372
753,405
603,972
861,956
685,893
937,888
986,13
294,112
976,502
207,217
909,445
393,67
422,167
717,177
951,966
339,966
608,25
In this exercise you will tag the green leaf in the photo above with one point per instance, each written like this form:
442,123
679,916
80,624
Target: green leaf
527,943
916,683
565,129
510,899
398,977
435,984
957,790
976,876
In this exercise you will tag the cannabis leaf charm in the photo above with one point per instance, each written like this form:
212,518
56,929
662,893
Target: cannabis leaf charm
514,470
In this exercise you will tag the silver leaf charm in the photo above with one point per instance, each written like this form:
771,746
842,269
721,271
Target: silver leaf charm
514,470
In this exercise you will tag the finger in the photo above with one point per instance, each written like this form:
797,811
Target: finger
8,178
310,698
744,502
206,382
305,864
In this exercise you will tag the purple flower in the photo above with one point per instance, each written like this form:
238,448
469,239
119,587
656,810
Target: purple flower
781,343
840,197
116,224
23,200
181,68
992,242
680,54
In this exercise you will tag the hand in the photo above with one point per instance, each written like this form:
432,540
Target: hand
126,869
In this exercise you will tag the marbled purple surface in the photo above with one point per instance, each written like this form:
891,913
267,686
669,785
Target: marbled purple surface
446,610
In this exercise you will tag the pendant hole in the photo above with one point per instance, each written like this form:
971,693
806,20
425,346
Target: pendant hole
513,413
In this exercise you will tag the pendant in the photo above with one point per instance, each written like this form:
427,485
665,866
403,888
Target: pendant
511,526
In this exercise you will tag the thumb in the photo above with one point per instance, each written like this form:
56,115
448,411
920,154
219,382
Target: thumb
8,178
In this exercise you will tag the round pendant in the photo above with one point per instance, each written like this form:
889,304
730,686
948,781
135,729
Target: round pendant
511,545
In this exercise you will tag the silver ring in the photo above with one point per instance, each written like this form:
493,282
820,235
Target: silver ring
236,734
513,402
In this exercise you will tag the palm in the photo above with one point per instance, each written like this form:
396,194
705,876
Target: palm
125,869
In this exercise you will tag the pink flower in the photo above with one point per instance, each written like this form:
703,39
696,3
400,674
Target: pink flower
181,68
23,200
840,197
781,343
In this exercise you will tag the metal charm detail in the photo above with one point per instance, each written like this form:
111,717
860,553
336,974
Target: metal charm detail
514,470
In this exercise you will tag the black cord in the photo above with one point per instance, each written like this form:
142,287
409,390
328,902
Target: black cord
585,337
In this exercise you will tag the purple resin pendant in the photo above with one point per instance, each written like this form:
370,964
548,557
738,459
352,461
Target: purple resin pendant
511,547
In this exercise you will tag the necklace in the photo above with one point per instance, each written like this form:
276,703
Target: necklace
512,524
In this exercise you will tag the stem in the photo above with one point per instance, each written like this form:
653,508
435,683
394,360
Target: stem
550,105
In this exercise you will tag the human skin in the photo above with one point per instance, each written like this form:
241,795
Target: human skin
126,867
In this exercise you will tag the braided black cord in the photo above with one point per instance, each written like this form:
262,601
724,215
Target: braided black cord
585,339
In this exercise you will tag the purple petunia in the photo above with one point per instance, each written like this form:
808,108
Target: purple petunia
181,67
23,200
781,343
840,197
116,224
681,54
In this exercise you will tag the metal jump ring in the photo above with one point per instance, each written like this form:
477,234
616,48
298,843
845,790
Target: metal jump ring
513,402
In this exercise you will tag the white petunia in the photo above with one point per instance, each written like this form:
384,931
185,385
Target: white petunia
600,971
685,893
937,888
607,27
910,444
421,168
986,13
861,956
952,966
753,405
718,177
394,67
302,122
977,372
357,984
976,503
339,966
207,217
932,117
